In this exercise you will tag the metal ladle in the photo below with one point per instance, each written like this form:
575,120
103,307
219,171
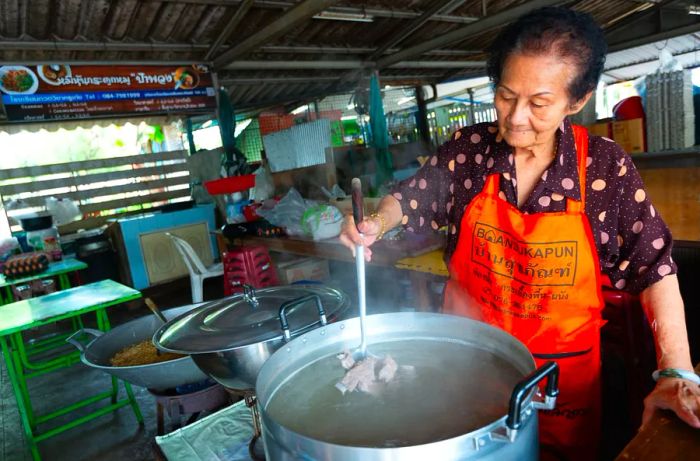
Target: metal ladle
358,215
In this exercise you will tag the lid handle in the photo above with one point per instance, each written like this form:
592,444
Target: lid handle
249,296
297,302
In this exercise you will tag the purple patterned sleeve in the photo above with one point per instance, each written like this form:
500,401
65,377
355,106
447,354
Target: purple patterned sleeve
643,241
424,196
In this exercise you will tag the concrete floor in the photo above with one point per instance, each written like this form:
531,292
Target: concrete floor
117,436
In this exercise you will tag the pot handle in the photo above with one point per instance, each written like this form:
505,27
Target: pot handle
298,302
550,370
73,339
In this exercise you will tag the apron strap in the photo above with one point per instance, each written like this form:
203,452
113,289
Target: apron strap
492,185
581,139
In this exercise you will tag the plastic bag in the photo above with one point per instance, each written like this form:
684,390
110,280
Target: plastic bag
336,193
264,186
667,62
62,210
288,212
322,221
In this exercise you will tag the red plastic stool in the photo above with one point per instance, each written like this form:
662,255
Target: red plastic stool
248,265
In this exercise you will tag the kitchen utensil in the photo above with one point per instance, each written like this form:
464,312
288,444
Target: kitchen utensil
159,376
472,394
152,306
154,309
358,214
231,338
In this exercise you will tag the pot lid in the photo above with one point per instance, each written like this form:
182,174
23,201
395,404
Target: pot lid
249,318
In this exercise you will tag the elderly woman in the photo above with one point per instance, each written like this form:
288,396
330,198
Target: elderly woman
537,211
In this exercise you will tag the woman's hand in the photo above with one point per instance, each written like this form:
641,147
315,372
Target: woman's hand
679,395
350,237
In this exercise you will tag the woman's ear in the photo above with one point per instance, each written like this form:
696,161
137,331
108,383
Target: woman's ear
576,107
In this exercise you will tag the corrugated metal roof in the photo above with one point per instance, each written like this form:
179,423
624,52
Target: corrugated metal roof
160,31
636,62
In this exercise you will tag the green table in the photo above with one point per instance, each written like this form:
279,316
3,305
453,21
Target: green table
34,312
59,269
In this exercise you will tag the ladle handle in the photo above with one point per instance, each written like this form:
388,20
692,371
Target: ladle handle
358,210
297,302
152,306
549,370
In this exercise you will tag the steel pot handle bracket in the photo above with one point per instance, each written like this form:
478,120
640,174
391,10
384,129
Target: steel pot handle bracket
249,296
549,370
297,302
73,339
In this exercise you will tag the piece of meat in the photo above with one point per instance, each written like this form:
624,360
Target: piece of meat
359,377
369,375
388,369
346,359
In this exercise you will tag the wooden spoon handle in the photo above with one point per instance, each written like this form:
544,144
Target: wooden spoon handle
152,306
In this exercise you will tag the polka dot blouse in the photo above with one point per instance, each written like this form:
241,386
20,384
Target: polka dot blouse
633,242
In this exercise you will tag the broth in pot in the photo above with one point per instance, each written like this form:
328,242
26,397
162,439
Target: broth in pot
430,399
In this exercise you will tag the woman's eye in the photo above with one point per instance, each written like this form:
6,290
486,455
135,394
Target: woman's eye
538,106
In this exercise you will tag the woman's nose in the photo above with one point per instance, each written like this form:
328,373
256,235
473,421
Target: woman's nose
518,113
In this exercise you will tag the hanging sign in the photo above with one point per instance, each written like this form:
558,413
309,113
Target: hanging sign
60,92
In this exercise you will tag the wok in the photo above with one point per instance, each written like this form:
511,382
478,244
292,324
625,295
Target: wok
157,376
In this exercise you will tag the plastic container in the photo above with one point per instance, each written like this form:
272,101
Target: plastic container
36,223
230,185
628,109
95,249
42,235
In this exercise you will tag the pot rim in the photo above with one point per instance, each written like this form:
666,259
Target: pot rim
488,431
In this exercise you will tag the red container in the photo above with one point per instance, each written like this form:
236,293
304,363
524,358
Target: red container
231,184
628,109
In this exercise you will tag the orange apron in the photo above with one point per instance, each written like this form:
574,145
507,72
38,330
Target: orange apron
536,276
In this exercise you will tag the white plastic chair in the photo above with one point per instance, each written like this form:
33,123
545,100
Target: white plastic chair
198,271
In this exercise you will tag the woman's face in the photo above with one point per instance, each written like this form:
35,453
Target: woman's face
532,99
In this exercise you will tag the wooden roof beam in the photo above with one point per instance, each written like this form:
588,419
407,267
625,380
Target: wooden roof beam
289,20
229,28
369,11
349,64
410,28
470,30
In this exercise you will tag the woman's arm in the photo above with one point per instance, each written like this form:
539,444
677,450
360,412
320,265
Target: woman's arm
663,306
389,216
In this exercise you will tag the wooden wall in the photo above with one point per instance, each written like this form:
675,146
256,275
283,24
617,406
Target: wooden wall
103,188
675,192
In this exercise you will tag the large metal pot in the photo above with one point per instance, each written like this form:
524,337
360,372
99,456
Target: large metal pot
509,431
231,338
156,376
